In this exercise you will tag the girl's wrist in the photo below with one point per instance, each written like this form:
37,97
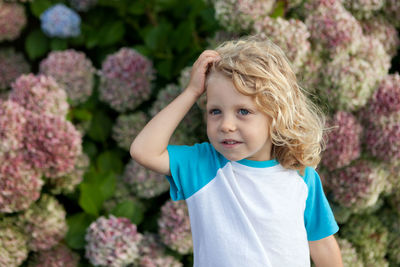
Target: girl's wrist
195,93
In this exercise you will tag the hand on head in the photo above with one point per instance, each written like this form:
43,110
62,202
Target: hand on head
199,71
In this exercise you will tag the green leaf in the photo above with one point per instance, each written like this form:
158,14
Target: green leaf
107,185
91,198
164,68
38,6
58,44
100,128
109,161
89,148
158,38
279,10
136,8
111,33
36,44
129,209
81,114
184,34
77,225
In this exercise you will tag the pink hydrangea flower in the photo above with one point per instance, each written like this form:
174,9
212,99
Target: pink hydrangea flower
174,226
290,35
67,183
13,244
385,101
12,65
112,242
143,182
127,127
51,144
12,124
358,185
44,223
188,130
344,141
125,79
351,76
241,14
152,253
331,25
391,11
40,94
363,9
20,184
381,29
58,256
73,71
383,140
12,20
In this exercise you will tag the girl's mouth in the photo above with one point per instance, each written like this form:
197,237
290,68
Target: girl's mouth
230,143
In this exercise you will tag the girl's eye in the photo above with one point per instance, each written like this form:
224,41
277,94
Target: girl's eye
214,111
243,111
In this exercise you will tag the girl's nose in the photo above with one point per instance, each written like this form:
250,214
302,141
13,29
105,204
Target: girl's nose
228,125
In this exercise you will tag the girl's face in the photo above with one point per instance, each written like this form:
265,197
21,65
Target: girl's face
235,127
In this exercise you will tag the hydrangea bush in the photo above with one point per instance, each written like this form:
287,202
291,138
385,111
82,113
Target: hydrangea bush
174,226
12,20
125,79
112,242
60,21
142,182
73,71
12,65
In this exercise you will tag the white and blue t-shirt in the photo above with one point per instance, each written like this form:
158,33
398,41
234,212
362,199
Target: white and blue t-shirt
248,213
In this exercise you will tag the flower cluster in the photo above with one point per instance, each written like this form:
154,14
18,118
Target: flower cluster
12,124
384,105
127,127
174,226
52,144
82,5
332,26
240,15
12,65
72,71
44,223
60,21
58,256
144,183
370,237
13,244
152,253
68,182
381,29
391,10
12,20
351,76
125,79
363,9
310,74
358,185
343,144
40,94
349,254
290,35
186,133
383,141
392,222
20,184
112,242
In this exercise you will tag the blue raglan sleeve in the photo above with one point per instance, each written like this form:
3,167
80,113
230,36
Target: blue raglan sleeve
191,168
318,216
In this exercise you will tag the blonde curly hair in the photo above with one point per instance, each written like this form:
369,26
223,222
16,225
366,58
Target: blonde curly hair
258,68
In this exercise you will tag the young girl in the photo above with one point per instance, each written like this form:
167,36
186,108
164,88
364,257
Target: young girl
253,197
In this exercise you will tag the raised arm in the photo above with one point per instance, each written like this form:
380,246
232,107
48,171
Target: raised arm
326,252
150,146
